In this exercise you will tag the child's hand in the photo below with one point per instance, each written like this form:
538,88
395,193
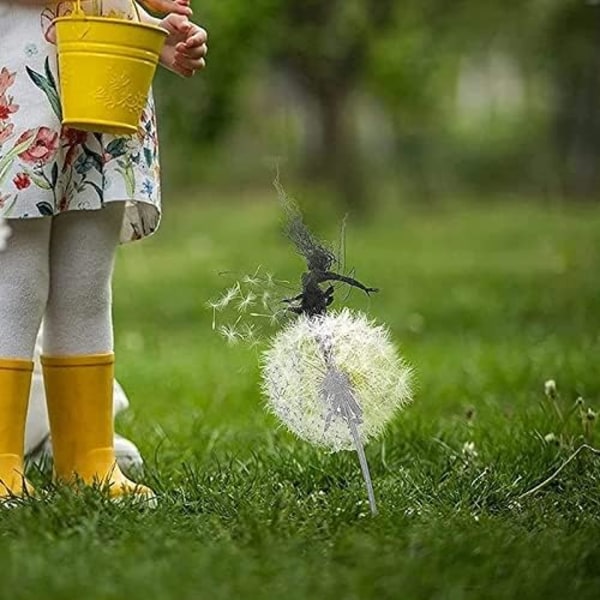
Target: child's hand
185,49
180,7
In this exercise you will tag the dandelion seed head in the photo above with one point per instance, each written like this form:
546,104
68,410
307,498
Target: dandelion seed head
296,369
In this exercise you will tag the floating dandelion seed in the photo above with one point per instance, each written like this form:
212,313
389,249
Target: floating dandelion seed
214,306
231,333
253,280
265,300
246,302
229,296
247,332
276,317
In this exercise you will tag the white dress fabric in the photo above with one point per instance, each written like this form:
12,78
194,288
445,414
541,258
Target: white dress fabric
47,169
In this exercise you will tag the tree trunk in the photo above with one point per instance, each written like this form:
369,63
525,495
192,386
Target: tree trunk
577,113
337,160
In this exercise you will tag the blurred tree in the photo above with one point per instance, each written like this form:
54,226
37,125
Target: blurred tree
414,71
325,46
408,56
204,108
572,45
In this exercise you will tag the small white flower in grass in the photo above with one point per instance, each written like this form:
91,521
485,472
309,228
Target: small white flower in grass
301,384
469,451
4,234
550,388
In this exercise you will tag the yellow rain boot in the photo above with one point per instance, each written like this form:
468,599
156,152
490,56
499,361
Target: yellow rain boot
79,393
15,385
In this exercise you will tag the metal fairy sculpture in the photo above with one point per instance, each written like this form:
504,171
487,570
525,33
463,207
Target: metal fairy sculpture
334,378
320,260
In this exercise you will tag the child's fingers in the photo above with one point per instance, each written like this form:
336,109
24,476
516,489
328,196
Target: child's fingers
178,24
181,7
190,64
198,38
198,51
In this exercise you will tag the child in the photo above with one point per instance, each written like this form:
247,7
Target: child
69,198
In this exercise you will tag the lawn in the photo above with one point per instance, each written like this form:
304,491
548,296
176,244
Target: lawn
487,302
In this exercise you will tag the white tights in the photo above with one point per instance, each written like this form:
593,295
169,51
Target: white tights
59,269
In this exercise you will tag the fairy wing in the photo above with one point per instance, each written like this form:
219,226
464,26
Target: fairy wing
295,229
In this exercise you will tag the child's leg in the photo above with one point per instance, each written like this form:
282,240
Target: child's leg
23,286
82,251
78,347
23,296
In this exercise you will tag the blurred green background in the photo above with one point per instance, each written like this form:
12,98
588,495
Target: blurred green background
392,99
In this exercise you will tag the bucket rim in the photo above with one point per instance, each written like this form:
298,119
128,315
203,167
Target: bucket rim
124,22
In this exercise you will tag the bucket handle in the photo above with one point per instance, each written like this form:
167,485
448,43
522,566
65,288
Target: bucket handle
78,12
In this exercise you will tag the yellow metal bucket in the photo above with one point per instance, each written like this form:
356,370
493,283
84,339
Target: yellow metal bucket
106,67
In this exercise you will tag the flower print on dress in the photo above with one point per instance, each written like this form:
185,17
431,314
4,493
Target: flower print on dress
6,131
7,105
71,139
22,181
31,50
60,9
43,146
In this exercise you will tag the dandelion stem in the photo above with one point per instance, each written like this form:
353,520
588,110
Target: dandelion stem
364,465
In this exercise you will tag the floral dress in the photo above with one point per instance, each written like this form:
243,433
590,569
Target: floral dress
47,169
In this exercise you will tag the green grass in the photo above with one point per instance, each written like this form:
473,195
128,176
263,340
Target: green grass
486,302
